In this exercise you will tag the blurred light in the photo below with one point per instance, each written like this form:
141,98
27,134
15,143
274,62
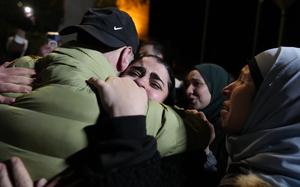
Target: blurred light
28,11
19,4
139,11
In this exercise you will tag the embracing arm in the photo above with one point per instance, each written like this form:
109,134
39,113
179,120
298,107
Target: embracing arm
119,151
15,80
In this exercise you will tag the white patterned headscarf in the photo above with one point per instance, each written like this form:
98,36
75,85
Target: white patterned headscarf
269,142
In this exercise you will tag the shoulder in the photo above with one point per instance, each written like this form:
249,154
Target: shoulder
244,180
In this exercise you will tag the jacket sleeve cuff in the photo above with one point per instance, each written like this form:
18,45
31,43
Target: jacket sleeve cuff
127,127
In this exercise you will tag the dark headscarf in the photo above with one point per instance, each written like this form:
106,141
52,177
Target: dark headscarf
216,79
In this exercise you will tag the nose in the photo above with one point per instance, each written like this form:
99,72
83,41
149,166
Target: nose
189,90
141,82
227,90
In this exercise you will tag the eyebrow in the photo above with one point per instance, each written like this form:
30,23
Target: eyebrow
152,75
196,80
139,68
156,77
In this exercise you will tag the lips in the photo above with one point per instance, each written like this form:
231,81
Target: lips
190,99
225,107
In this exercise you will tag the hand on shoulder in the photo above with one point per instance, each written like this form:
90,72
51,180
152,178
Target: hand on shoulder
121,96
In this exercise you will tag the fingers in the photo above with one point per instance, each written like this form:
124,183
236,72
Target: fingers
6,100
196,112
16,79
210,126
55,182
19,176
41,183
20,173
6,64
99,84
121,96
4,178
202,115
96,82
14,88
18,71
204,121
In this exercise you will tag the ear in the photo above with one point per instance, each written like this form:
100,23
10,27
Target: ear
126,56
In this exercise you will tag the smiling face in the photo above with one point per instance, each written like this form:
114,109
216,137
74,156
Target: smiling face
151,75
236,109
197,92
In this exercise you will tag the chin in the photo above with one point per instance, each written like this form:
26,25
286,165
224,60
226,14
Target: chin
224,116
192,106
224,123
227,130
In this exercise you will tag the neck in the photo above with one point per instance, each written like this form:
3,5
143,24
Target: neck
113,57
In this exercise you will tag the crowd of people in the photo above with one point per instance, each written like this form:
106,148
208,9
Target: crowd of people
103,110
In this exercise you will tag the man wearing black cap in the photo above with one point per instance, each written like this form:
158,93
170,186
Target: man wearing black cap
49,121
109,31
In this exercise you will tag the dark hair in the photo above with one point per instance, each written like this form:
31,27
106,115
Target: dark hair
159,48
170,99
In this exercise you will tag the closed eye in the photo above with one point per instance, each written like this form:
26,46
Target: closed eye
156,82
155,85
136,71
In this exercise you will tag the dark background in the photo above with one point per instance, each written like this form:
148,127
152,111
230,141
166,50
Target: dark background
229,39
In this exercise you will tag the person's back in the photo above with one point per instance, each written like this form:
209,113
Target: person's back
60,93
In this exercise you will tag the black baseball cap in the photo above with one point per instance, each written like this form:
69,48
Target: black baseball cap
111,26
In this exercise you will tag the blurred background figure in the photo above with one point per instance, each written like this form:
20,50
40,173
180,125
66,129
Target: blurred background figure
203,92
41,44
152,47
53,40
16,44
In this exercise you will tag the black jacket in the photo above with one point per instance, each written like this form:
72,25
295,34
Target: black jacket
121,154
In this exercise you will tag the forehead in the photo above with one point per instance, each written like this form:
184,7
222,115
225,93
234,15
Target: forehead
151,65
194,74
147,47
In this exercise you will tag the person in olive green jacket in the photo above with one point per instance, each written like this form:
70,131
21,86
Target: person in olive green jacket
45,127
